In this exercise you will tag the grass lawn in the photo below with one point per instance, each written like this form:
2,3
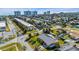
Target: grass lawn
60,42
10,38
36,41
30,31
66,37
54,31
7,28
13,48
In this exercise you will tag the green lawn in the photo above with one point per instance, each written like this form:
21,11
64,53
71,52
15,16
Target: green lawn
12,48
34,39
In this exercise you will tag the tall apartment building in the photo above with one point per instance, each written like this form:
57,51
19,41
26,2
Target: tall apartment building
17,13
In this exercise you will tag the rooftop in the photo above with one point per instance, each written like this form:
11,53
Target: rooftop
47,39
2,24
23,22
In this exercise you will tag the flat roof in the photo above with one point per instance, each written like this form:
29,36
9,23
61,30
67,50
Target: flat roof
23,22
2,24
47,39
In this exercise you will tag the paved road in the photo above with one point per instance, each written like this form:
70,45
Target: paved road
22,41
19,39
9,42
11,26
12,30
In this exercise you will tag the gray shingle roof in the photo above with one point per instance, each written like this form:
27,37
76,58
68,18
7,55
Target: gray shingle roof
47,39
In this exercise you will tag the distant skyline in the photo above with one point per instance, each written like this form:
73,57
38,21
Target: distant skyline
10,11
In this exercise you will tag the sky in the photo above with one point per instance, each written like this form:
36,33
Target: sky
10,11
